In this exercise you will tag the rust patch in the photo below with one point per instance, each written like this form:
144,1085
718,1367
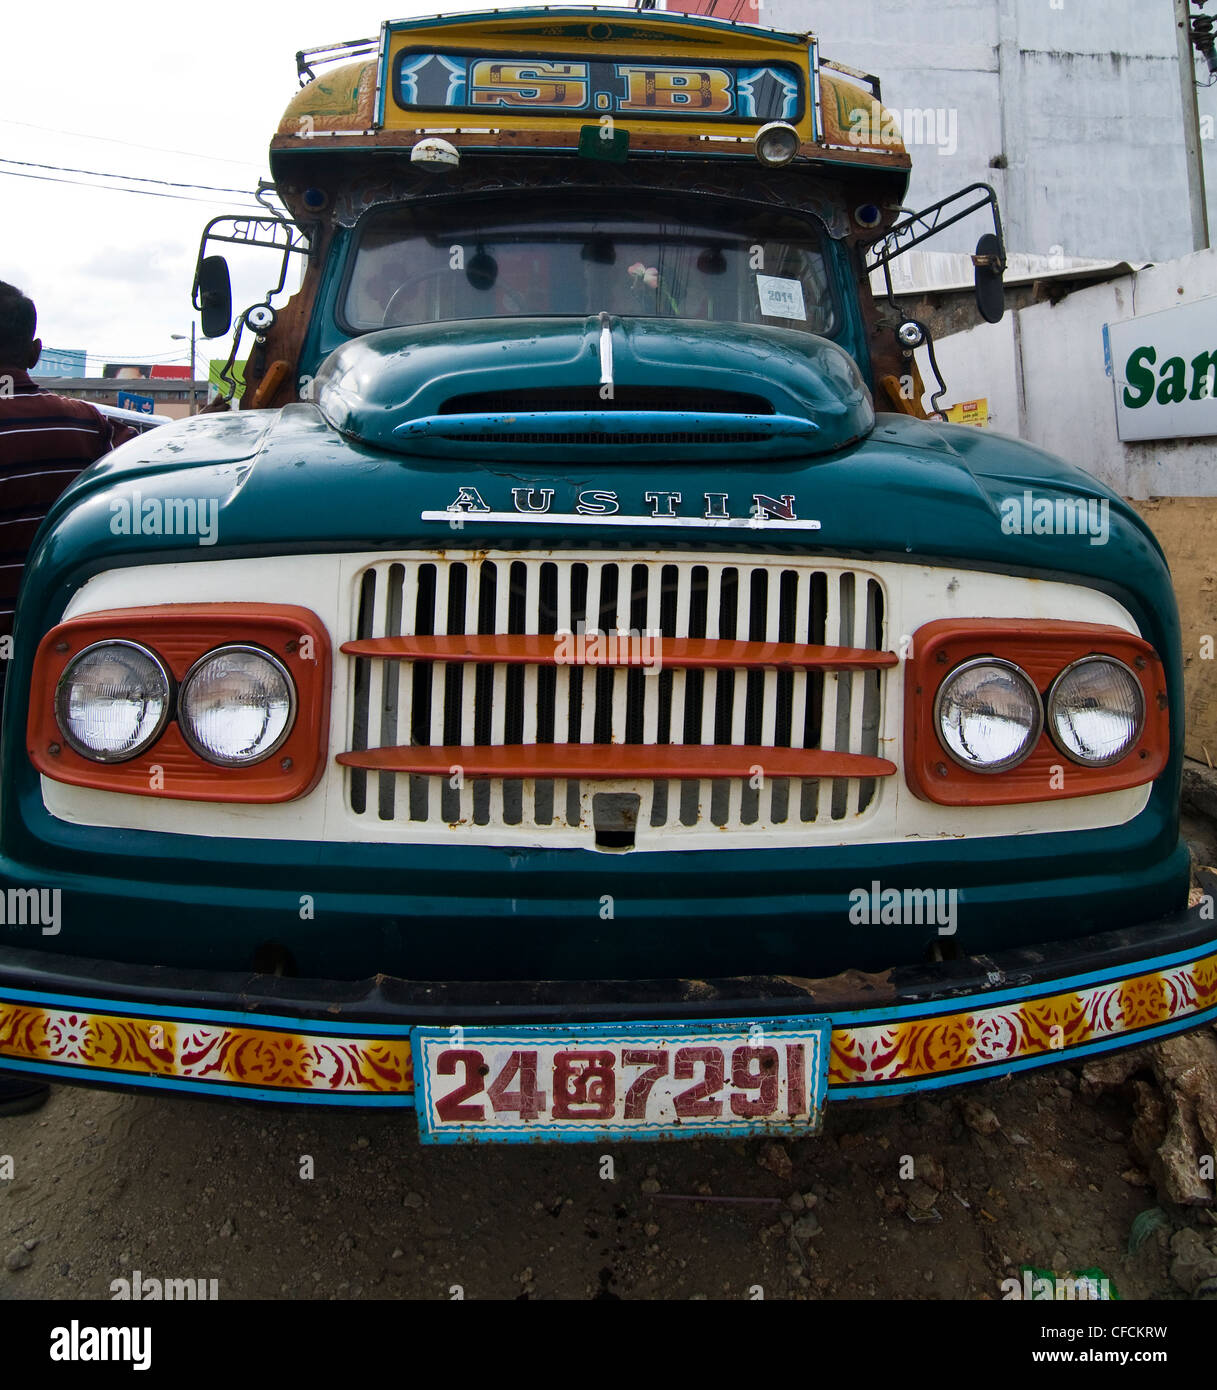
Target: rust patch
851,986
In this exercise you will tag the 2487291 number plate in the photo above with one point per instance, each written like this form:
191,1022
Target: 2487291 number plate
620,1081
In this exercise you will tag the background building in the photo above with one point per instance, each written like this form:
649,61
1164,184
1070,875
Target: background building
1070,108
172,397
1074,111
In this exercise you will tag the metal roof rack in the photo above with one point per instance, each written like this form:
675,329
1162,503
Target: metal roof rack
330,53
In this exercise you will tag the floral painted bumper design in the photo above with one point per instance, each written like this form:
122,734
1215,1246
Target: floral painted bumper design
284,1059
1019,1031
246,1054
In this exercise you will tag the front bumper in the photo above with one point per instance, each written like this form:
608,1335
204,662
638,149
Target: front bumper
337,1043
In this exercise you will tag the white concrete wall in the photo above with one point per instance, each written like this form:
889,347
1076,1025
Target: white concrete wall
1080,97
1052,356
978,363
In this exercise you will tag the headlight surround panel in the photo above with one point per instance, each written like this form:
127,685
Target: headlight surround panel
180,637
1044,649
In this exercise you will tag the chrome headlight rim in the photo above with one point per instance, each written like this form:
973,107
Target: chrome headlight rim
61,686
288,725
1094,658
1033,737
765,137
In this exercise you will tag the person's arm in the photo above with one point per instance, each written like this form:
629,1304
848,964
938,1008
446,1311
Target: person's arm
110,432
119,433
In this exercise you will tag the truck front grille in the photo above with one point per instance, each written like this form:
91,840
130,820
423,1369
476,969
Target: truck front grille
524,711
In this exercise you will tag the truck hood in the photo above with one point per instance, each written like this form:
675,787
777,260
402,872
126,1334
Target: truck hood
281,482
621,388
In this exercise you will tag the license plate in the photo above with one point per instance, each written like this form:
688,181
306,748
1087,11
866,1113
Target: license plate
623,1081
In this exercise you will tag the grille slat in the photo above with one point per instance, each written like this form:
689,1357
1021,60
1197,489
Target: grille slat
457,704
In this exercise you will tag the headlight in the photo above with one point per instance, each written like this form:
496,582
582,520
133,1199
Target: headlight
988,714
776,144
236,705
1096,711
112,701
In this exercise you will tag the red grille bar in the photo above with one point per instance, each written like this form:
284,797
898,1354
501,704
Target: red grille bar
549,649
606,762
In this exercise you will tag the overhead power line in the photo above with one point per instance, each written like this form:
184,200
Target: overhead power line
131,144
116,188
130,178
164,358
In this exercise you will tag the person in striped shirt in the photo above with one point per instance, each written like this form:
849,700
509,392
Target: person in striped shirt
45,441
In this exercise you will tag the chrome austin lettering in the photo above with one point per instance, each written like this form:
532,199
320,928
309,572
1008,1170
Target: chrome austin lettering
594,502
780,507
602,502
468,499
708,510
522,497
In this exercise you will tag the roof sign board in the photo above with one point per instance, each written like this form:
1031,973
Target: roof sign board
1164,368
428,81
510,69
541,78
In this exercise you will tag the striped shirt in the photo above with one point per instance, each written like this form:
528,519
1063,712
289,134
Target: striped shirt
45,441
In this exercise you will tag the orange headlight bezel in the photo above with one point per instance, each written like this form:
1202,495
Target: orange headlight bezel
1042,648
179,634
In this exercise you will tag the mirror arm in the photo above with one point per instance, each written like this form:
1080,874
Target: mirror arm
920,226
935,408
226,378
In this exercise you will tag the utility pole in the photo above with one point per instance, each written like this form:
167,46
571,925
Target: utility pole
1191,126
181,338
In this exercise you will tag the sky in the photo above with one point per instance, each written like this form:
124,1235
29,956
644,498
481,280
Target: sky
190,95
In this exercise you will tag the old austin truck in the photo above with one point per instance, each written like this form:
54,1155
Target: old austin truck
606,704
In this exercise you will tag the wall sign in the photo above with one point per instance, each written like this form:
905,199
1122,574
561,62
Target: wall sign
1164,367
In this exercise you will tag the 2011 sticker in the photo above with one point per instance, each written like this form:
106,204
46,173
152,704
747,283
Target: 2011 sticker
781,298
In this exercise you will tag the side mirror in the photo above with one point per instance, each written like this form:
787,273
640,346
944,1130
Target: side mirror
990,263
213,296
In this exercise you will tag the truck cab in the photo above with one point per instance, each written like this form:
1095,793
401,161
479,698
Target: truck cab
582,693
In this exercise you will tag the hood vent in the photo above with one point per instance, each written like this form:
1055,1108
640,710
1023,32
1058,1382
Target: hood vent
688,399
530,390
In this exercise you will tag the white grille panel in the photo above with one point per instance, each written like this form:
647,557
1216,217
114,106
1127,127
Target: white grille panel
463,704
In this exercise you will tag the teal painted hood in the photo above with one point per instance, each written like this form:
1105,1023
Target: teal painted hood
629,389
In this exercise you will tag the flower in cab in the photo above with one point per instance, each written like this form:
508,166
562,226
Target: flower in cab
646,274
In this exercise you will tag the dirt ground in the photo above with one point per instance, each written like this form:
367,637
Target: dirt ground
105,1185
1034,1170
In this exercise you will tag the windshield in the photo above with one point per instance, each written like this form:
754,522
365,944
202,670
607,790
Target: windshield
693,259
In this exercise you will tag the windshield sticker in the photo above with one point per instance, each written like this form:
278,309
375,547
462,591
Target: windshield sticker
781,299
